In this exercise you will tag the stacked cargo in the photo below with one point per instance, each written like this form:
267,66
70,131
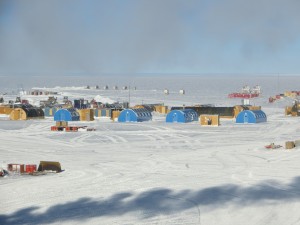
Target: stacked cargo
31,169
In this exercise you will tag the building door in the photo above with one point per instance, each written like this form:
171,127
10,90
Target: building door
62,116
245,118
127,117
175,118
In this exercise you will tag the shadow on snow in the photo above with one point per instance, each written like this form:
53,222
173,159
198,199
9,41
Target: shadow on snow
158,202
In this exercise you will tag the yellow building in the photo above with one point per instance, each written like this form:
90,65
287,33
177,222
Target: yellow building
86,114
209,120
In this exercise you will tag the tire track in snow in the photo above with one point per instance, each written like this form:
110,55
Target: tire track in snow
79,139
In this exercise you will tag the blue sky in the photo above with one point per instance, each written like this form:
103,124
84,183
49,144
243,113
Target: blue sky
99,37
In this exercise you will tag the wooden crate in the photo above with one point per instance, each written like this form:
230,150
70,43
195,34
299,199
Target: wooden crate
209,120
61,123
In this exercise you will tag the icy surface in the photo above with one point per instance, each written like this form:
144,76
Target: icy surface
154,172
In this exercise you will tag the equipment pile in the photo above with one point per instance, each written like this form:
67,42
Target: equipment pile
44,168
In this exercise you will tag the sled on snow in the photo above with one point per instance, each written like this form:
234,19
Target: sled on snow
272,146
49,166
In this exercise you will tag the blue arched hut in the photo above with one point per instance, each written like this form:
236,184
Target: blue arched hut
68,114
251,116
182,116
134,115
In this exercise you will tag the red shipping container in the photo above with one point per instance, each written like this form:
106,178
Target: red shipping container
71,129
30,168
53,128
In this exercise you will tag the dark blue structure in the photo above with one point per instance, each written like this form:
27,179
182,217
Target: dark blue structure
66,115
80,104
182,116
251,116
135,115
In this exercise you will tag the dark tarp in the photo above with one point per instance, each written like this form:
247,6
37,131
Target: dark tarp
210,110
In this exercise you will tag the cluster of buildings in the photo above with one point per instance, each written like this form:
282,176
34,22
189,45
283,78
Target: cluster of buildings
82,110
38,92
85,110
287,94
115,87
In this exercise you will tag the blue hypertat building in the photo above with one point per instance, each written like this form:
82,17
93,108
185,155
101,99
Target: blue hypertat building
251,116
134,115
182,116
69,114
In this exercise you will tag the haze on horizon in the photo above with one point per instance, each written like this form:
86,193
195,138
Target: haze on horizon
97,37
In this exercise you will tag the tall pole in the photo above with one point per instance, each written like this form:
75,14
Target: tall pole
128,96
277,88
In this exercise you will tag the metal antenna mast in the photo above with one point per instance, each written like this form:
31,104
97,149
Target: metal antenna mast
128,96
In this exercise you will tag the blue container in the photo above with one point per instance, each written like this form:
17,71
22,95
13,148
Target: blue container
103,112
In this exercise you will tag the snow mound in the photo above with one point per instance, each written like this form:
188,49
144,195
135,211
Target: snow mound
102,99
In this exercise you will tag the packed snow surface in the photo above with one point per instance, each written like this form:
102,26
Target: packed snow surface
156,172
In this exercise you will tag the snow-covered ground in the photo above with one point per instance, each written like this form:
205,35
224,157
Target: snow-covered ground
154,172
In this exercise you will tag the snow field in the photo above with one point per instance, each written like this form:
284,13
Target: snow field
153,172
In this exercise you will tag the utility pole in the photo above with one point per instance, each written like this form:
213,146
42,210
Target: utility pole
128,96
